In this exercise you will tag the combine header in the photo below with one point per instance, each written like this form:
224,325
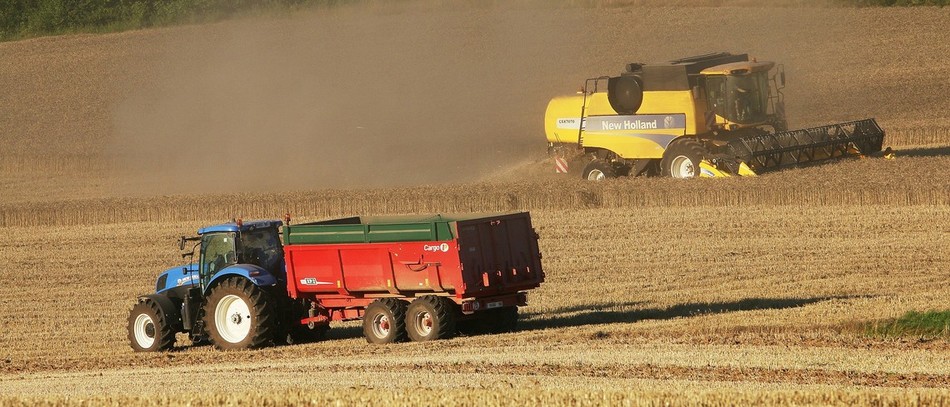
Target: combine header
773,151
710,115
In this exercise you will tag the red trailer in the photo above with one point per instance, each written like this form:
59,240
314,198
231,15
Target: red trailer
426,277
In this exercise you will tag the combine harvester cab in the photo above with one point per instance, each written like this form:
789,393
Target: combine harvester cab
711,115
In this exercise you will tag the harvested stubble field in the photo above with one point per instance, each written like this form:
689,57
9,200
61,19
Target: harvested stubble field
668,301
720,292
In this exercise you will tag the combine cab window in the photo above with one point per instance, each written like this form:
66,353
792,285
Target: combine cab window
739,98
217,252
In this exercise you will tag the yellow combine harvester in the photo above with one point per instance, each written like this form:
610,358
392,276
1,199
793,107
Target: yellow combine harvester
711,115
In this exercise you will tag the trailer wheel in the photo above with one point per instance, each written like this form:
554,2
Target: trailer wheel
431,317
239,315
682,158
385,321
149,331
598,170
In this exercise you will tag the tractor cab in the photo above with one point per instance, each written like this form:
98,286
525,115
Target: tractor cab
245,248
740,94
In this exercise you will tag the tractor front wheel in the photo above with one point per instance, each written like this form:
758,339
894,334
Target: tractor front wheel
149,330
239,315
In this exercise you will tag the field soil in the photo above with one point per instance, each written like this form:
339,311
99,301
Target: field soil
719,292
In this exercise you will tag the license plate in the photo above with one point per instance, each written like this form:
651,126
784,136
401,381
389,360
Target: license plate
496,304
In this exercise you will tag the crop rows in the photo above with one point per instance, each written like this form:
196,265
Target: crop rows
906,181
689,305
514,393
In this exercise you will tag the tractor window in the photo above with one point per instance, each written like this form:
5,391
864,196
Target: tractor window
261,247
217,252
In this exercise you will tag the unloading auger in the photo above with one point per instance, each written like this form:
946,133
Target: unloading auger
710,115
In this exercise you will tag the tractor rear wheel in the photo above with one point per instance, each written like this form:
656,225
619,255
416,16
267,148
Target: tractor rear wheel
682,158
239,315
431,317
149,330
599,170
385,321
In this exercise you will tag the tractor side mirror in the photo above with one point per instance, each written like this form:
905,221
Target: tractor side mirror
781,78
181,243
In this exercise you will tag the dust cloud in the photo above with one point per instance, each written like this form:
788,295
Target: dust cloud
338,98
403,95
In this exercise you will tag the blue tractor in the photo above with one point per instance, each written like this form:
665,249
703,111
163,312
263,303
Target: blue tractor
234,296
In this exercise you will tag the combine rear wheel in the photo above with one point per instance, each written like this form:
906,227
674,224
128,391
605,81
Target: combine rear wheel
599,170
431,317
239,315
682,158
385,321
149,330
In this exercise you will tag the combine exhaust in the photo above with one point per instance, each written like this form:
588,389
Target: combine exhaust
774,151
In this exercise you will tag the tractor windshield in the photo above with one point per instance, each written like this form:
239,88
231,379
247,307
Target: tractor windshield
262,247
740,99
217,252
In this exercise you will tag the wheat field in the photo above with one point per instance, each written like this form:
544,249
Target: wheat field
739,291
650,298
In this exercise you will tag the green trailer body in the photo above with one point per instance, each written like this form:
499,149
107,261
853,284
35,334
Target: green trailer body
379,229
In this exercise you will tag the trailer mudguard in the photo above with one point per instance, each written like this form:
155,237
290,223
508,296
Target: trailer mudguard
255,274
169,308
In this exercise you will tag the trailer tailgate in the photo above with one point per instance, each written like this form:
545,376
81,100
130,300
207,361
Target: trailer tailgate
499,254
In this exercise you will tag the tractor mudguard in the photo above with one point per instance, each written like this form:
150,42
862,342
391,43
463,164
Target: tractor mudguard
169,308
255,274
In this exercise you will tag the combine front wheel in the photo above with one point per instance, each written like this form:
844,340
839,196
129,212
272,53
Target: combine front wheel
599,170
682,158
